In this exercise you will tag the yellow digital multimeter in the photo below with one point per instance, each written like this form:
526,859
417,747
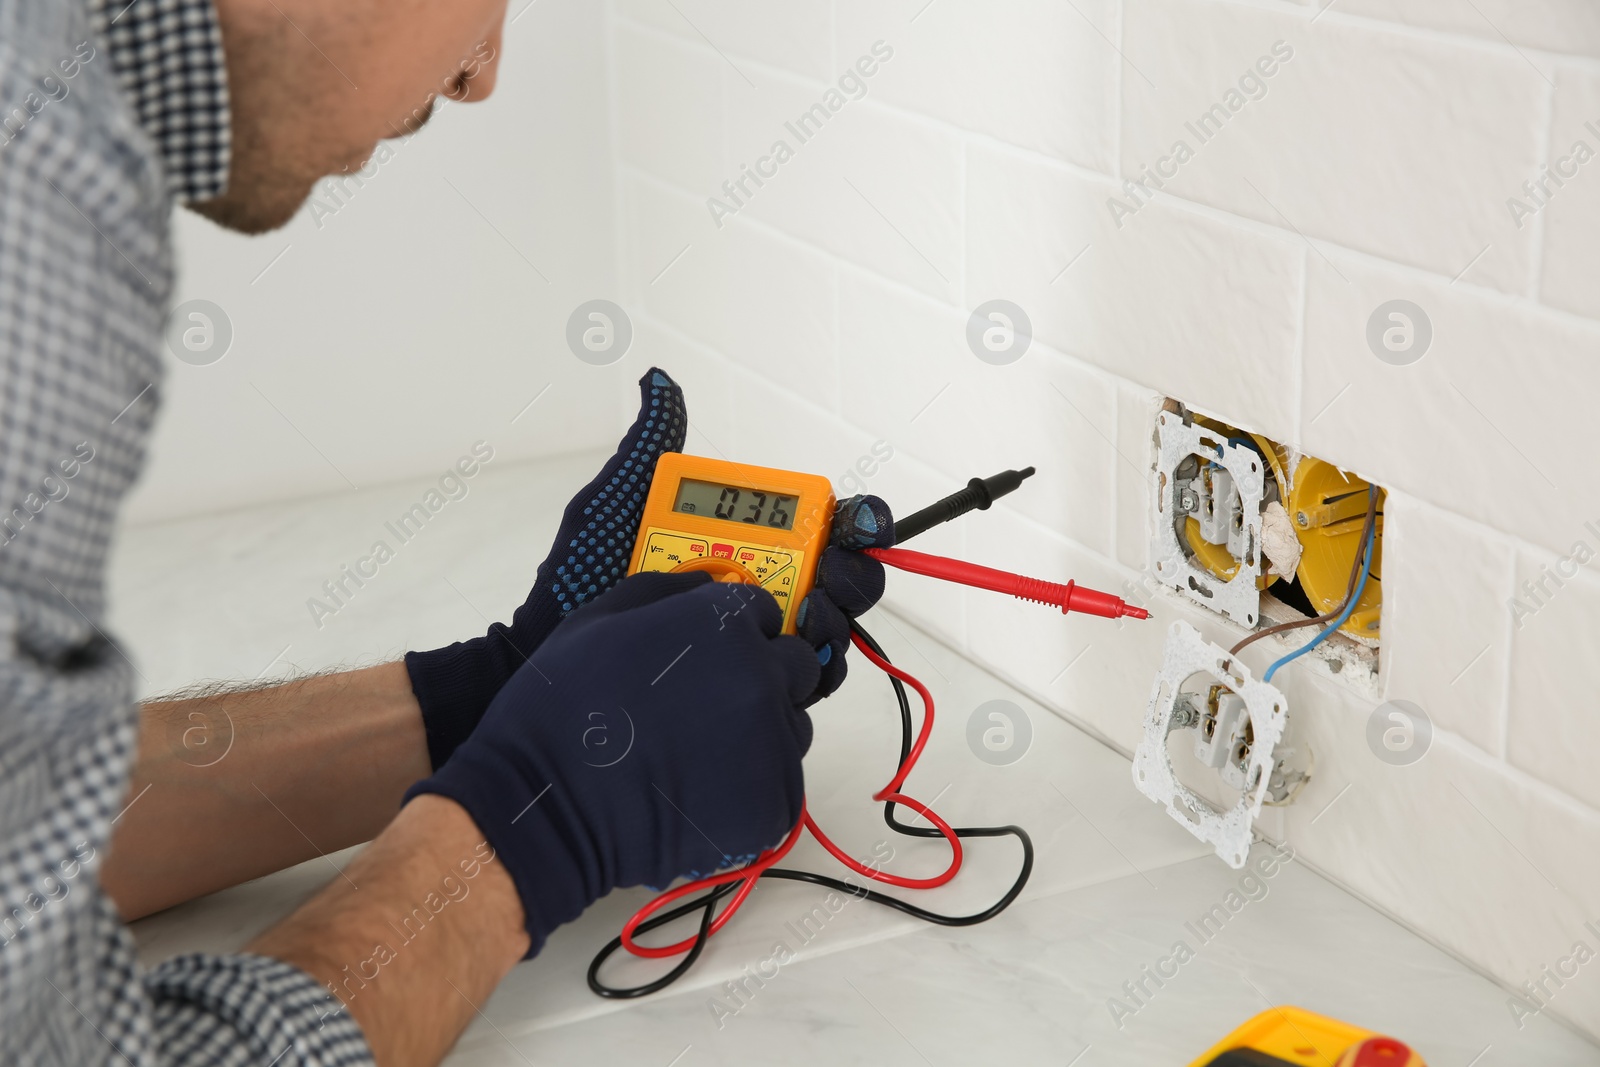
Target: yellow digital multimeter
741,523
1294,1037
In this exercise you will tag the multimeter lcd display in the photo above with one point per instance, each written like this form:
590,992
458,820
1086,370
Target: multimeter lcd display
737,503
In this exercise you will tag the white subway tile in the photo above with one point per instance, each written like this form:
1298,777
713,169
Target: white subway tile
762,301
776,429
912,379
1391,144
1039,74
1554,25
1571,211
669,108
663,271
708,386
1495,869
868,185
1201,310
786,33
1096,671
1135,463
938,607
1555,676
1491,422
1446,638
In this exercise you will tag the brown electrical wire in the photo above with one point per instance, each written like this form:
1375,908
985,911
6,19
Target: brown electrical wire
1350,590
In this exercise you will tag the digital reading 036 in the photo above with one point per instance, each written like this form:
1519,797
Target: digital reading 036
740,503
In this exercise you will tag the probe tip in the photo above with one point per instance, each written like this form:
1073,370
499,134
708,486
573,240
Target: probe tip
1129,611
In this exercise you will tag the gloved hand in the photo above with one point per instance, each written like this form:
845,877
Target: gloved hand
848,584
454,685
657,733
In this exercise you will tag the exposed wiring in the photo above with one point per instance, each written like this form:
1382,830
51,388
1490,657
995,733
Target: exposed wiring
1370,541
739,882
1350,594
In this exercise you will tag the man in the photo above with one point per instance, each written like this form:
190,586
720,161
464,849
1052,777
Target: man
466,764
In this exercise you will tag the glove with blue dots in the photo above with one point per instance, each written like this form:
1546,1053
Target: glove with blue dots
848,584
454,685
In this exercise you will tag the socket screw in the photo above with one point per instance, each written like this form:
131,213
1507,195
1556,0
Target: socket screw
1303,519
1188,501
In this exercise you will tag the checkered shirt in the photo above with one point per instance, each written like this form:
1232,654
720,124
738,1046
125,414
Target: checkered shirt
109,111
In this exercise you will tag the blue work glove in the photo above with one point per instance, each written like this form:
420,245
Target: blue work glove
454,685
848,584
656,733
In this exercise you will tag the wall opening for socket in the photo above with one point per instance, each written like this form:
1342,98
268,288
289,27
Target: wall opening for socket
1267,536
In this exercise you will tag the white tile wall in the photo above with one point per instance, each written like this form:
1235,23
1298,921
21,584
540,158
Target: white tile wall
1502,382
1376,164
1445,586
1552,25
1401,146
669,108
1570,214
794,34
1554,675
1491,863
1136,419
1174,299
1033,73
870,186
916,383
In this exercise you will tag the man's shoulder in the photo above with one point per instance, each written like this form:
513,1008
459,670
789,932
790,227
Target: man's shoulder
64,119
77,173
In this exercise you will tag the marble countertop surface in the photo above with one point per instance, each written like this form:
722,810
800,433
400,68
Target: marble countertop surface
1116,885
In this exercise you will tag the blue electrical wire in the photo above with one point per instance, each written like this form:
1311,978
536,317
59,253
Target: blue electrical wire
1349,607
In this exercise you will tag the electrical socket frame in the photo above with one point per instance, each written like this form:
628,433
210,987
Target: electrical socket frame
1185,655
1240,597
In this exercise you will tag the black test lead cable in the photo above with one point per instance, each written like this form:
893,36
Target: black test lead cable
708,901
979,494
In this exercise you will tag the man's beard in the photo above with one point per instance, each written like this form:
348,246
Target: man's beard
258,198
267,188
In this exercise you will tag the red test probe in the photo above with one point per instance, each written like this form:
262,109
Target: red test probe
1069,597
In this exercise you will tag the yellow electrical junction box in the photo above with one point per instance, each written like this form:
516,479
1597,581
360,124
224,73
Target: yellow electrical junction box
741,523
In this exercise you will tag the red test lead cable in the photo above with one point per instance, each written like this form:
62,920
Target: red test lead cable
748,874
1069,597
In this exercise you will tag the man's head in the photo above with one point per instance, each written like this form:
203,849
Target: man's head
314,86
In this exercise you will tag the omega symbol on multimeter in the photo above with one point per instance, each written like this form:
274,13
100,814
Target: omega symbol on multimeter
742,523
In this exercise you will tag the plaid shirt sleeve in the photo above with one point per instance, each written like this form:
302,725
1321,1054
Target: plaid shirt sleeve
109,110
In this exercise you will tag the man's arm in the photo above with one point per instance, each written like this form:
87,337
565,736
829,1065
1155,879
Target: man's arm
234,785
415,937
521,830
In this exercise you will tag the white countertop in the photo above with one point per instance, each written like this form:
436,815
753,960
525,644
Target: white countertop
1115,886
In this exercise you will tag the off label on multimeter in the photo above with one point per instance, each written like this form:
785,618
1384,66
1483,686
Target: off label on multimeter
742,523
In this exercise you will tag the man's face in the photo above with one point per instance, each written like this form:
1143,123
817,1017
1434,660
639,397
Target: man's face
315,85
